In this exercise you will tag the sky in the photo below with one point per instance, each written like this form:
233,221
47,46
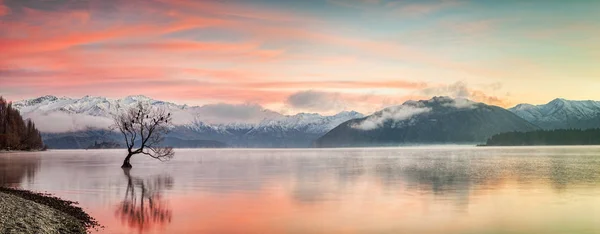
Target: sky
321,56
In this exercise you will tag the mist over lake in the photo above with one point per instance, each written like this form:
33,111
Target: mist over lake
455,189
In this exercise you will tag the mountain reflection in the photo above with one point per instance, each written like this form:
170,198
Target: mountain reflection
15,168
474,190
447,174
444,173
143,207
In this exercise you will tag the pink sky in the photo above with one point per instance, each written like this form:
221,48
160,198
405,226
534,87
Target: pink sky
314,56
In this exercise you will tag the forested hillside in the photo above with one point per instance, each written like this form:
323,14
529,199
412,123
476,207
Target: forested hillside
16,133
547,137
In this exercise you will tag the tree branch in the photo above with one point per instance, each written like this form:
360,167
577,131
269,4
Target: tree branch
150,124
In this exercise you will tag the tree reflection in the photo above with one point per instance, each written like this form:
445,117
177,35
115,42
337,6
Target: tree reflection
143,207
14,168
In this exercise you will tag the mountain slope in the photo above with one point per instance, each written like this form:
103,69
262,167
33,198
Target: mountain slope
294,131
561,114
439,120
69,121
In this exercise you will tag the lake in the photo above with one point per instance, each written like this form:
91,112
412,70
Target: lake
371,190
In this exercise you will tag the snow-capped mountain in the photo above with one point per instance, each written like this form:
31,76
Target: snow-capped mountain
305,122
92,106
439,120
561,114
244,125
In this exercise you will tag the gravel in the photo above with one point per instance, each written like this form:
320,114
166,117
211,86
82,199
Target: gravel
22,211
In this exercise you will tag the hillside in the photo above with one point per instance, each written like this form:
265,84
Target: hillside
17,133
440,120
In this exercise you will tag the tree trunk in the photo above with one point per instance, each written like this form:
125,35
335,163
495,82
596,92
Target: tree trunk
126,163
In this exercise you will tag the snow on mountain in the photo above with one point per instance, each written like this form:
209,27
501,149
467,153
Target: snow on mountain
54,114
561,113
88,105
439,120
309,122
303,123
216,118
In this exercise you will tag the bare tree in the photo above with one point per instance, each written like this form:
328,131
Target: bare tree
143,128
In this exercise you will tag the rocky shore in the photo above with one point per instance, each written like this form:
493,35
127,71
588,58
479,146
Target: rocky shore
23,211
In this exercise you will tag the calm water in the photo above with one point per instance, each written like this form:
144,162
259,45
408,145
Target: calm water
409,190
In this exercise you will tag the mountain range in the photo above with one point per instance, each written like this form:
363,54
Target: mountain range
561,114
79,122
440,120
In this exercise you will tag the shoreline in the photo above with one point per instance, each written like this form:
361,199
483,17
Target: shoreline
24,211
21,151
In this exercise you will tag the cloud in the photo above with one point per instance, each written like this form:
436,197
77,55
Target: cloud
47,6
481,96
460,103
418,9
3,9
355,4
461,91
473,27
396,113
164,48
247,49
495,86
55,120
455,90
315,101
64,122
393,84
232,113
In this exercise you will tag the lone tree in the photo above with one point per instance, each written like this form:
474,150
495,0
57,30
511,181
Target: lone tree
144,128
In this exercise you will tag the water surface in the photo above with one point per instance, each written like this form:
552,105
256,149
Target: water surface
390,190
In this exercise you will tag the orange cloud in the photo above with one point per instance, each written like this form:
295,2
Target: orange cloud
79,52
226,75
3,9
238,10
462,90
398,84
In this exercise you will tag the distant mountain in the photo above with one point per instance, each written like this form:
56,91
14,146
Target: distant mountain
183,143
105,145
98,108
296,131
561,114
438,120
80,139
235,126
89,139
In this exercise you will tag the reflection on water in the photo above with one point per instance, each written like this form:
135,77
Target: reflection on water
142,207
461,190
14,169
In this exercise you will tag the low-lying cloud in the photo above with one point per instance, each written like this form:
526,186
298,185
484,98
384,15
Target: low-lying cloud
64,122
316,101
228,113
455,90
461,90
397,113
54,121
461,103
